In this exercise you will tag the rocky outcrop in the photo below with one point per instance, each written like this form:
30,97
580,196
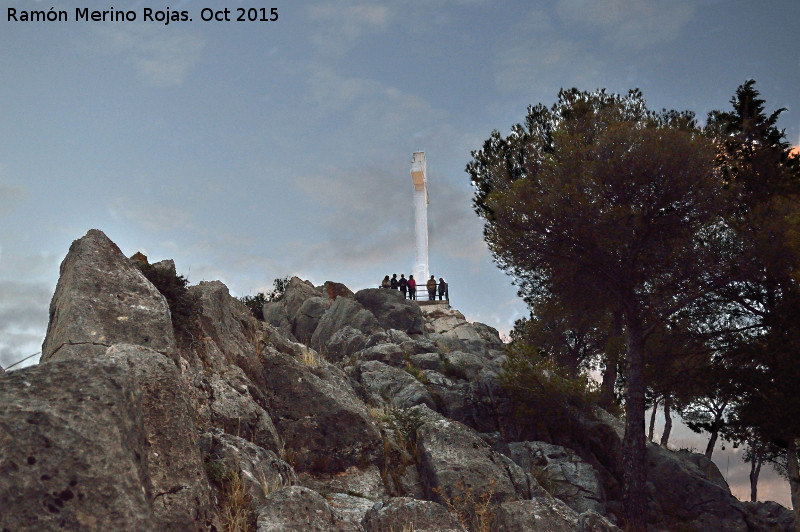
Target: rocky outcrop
100,442
102,299
318,415
562,473
341,411
543,515
392,385
456,464
297,508
392,310
404,513
342,313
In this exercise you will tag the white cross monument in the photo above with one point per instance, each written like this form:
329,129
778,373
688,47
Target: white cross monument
420,179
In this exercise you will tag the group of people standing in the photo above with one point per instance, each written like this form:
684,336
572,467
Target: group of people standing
409,286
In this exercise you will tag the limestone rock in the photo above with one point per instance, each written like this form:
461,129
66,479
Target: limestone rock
455,463
562,473
403,513
343,312
181,498
297,508
393,385
233,409
102,299
308,317
547,515
333,290
67,458
260,470
318,415
392,310
100,442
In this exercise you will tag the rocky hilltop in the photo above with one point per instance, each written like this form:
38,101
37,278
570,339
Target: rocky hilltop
340,411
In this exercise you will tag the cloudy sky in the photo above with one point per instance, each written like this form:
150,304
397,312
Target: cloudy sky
253,150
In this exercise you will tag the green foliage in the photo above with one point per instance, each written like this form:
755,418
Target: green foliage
255,303
184,306
543,391
416,372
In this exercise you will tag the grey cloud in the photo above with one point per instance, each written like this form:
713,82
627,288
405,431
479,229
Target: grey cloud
9,196
634,24
23,319
160,58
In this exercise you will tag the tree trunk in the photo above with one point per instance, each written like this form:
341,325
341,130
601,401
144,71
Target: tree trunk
794,480
711,443
607,400
634,457
656,400
607,386
755,470
667,421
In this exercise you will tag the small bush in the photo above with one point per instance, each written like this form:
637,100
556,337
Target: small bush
475,512
255,304
543,391
184,307
416,372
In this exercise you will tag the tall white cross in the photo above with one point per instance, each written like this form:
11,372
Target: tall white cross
420,179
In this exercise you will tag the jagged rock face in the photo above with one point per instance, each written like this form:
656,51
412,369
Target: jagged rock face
455,463
404,513
393,385
102,299
318,415
99,443
308,317
342,313
678,496
181,497
235,410
392,310
563,474
297,508
333,290
543,515
260,470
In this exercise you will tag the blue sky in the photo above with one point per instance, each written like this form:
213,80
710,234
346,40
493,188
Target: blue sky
252,150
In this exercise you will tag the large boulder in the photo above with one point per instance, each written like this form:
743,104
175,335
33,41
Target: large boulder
395,386
308,317
318,415
404,513
543,514
392,309
562,473
682,495
298,508
233,409
457,465
259,471
103,299
100,443
181,498
343,312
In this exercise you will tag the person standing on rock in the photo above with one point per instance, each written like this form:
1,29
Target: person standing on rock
386,283
442,289
403,284
431,286
412,287
394,282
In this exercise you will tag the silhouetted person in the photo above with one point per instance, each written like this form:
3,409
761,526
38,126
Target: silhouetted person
442,289
386,283
394,282
412,287
403,284
431,286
